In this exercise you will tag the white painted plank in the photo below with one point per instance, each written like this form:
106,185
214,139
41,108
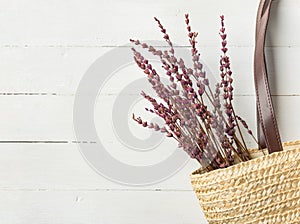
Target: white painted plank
281,66
59,70
32,118
45,70
61,167
114,22
51,117
110,207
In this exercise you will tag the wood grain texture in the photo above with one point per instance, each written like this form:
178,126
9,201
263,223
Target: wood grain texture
46,47
50,117
47,167
94,207
58,70
101,22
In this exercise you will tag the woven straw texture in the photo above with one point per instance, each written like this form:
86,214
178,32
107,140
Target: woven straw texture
263,190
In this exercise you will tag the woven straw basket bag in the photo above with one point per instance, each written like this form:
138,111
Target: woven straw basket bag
265,189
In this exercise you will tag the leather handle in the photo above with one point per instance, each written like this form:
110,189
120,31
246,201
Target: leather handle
266,116
261,7
260,133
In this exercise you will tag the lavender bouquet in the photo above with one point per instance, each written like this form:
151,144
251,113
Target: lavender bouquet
200,118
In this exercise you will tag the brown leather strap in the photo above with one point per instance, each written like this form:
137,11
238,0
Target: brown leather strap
258,17
260,134
266,115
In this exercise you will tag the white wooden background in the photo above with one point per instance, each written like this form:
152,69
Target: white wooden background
46,47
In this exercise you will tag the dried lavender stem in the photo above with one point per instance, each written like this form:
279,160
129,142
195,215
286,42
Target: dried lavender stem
187,118
225,121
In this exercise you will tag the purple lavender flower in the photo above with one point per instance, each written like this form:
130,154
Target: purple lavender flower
193,114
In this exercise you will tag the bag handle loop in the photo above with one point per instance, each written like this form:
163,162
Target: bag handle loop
266,116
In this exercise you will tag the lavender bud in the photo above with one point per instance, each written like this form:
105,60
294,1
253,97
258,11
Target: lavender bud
201,91
202,74
163,130
205,82
224,43
169,135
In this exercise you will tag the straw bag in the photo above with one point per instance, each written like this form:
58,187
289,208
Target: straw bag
265,189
